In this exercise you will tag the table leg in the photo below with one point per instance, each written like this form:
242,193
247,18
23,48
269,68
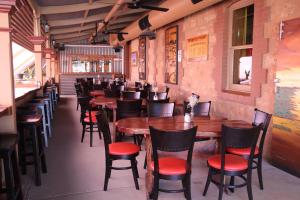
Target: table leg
149,177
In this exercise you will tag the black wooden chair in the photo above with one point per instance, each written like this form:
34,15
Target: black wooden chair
172,167
117,151
160,96
126,109
138,84
88,118
260,117
78,92
157,109
202,109
233,165
131,95
112,93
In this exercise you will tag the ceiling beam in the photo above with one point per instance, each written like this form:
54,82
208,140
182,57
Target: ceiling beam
72,39
64,22
72,35
86,12
71,30
123,20
72,7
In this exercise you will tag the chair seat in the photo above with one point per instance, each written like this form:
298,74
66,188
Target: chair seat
232,162
123,148
29,118
97,93
87,119
93,113
242,151
171,166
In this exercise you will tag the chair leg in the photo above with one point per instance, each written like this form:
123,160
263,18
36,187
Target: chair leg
37,164
22,151
17,177
83,132
221,186
91,135
208,180
134,173
155,187
232,184
249,184
41,151
99,131
136,169
107,174
259,173
9,177
188,187
145,161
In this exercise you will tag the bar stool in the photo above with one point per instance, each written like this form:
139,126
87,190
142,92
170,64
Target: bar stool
48,99
44,107
31,121
8,154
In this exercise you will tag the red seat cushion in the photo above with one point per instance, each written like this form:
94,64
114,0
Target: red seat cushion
232,162
92,112
242,151
171,166
123,148
87,119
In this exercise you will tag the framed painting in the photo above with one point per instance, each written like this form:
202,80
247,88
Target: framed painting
142,58
134,58
171,55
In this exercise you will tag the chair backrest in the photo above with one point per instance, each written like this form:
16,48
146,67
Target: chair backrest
104,85
146,90
160,95
172,141
156,109
85,106
239,138
138,84
167,90
131,95
78,89
113,93
263,118
128,108
103,124
201,109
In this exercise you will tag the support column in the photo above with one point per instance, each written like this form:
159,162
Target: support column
7,123
49,68
37,42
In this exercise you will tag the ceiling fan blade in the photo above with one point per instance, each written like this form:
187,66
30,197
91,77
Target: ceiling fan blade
154,8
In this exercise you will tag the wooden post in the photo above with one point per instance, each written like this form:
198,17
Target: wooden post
7,123
49,68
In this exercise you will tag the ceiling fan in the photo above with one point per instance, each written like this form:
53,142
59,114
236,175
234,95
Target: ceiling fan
108,32
136,4
94,40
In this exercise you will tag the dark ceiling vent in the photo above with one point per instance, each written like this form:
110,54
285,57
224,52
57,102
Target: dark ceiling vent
144,23
196,1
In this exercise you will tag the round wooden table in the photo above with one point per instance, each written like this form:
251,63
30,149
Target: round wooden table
207,126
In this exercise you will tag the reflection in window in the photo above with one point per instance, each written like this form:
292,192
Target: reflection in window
242,66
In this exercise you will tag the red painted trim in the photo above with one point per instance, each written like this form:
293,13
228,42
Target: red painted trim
37,40
2,29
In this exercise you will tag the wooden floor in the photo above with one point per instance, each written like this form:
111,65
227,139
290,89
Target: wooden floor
76,171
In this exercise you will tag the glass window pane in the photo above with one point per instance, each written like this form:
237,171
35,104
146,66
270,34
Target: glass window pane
242,26
242,66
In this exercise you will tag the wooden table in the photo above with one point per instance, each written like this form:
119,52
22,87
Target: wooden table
207,126
97,93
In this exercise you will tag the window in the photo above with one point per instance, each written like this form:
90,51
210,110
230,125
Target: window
240,46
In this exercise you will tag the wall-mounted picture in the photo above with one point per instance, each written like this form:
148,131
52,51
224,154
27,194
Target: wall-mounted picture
134,58
197,48
171,58
142,58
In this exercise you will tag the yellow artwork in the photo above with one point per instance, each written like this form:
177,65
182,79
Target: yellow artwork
197,47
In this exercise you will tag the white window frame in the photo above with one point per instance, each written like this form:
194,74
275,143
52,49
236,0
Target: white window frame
229,82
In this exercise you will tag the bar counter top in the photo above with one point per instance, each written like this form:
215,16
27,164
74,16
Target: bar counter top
22,91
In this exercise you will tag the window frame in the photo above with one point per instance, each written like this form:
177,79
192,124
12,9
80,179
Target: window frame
230,86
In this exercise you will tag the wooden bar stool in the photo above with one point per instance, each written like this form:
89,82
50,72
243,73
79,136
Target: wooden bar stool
43,106
31,122
8,154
